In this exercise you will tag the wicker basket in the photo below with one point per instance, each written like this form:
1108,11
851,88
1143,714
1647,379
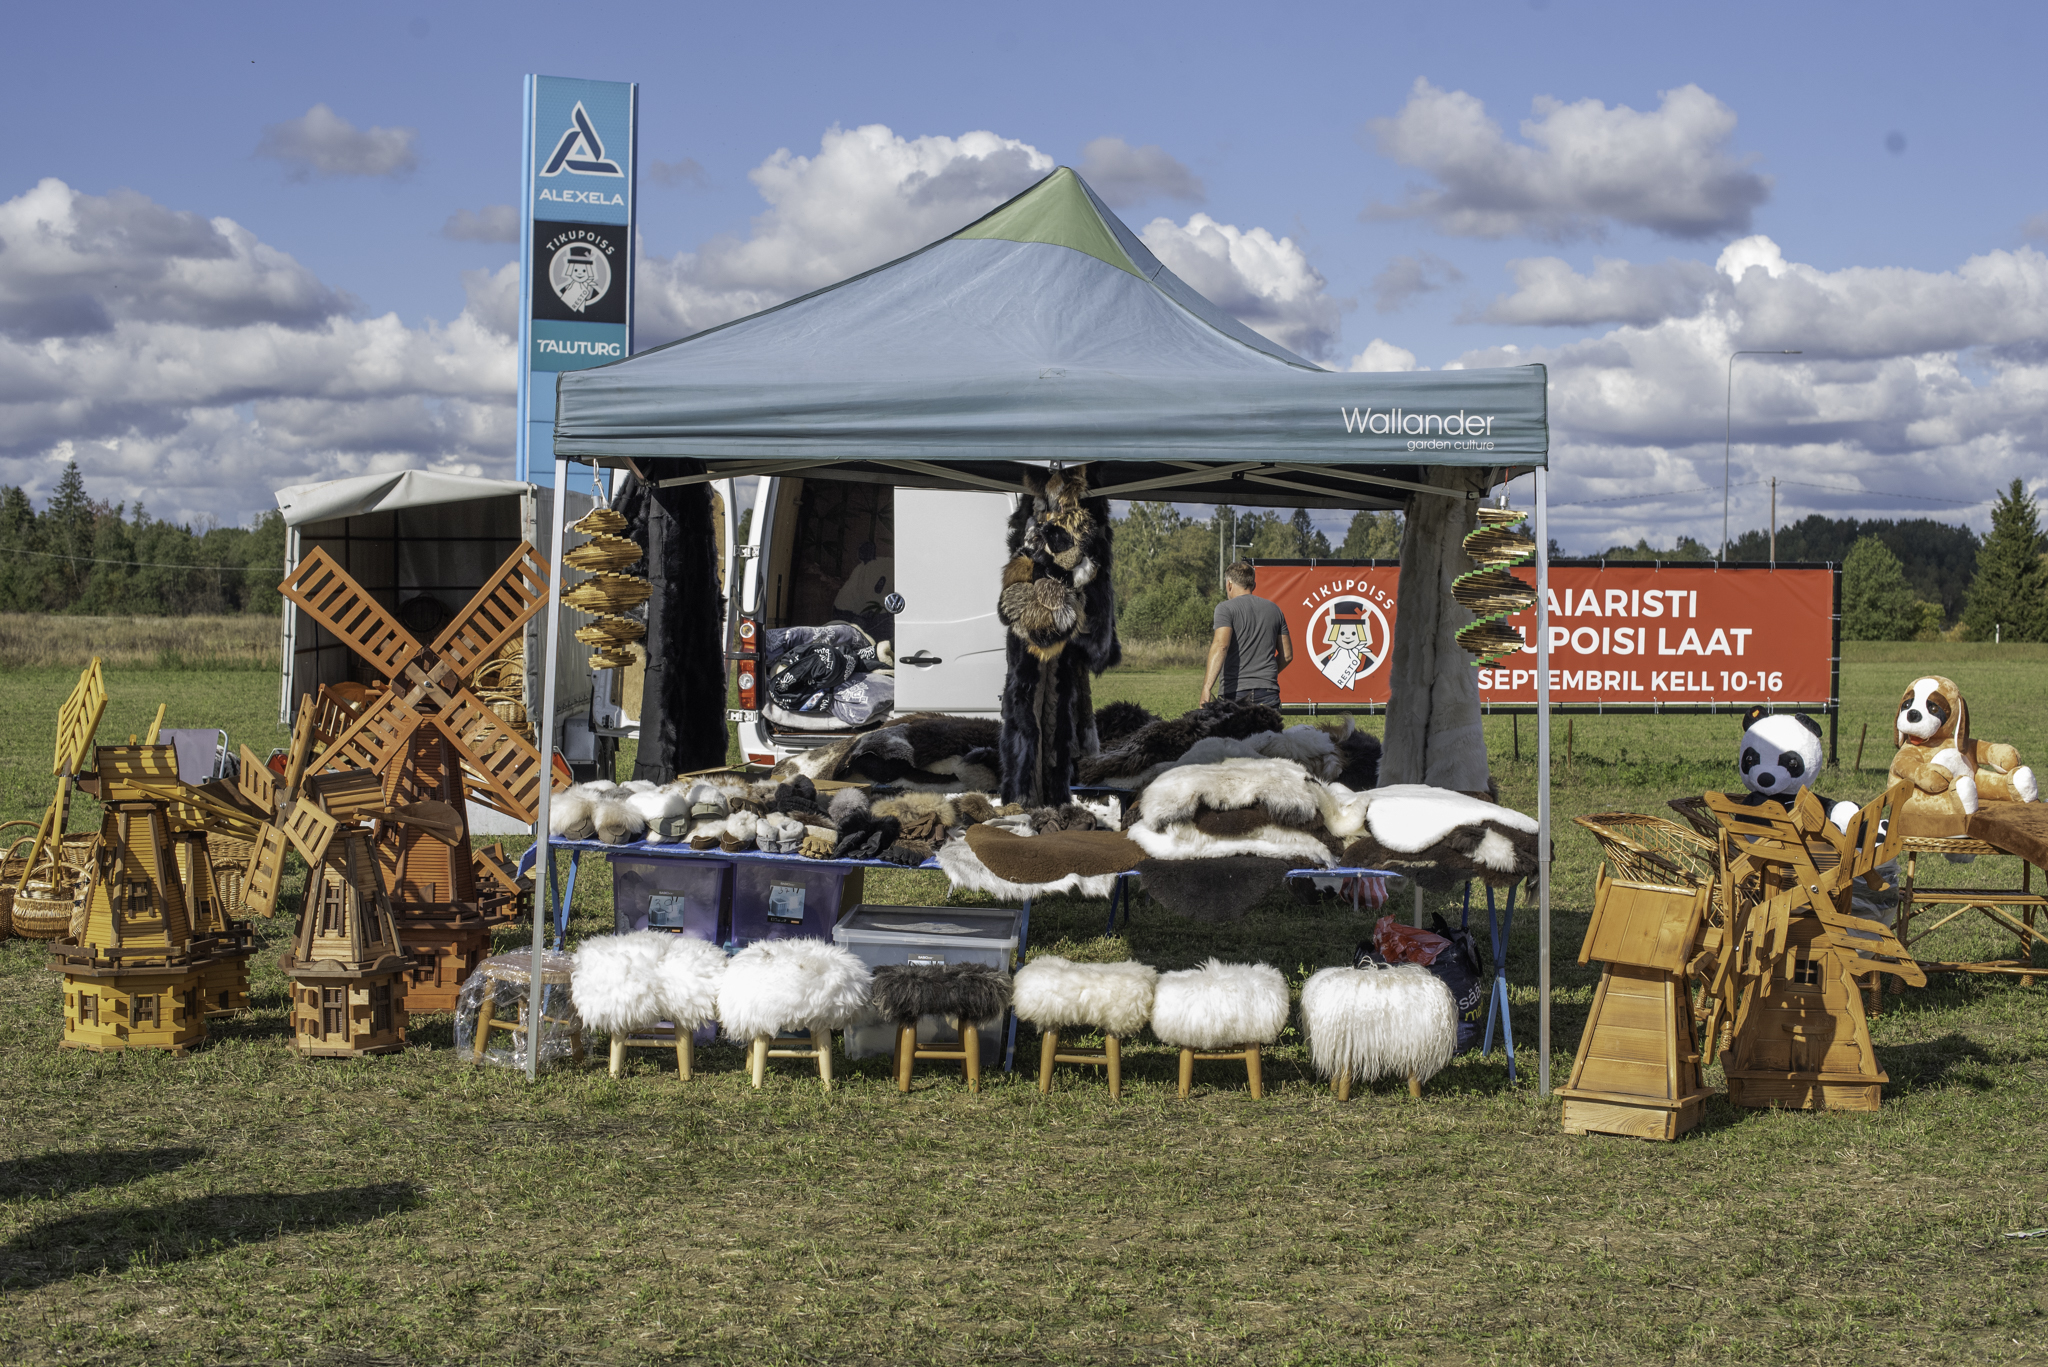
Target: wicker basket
1649,849
12,866
53,903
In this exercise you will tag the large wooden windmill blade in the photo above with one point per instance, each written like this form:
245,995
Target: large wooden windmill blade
378,738
507,779
323,591
500,609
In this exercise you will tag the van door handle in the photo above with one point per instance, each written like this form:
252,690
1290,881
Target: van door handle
923,657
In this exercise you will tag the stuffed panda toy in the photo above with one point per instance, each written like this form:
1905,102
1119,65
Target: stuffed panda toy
1780,755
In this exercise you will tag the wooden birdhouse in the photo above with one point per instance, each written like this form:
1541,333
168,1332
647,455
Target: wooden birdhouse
433,741
347,965
1638,1067
134,978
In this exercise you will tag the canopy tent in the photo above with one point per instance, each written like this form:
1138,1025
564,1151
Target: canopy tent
1047,331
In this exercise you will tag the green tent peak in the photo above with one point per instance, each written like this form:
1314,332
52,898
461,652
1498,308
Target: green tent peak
1056,210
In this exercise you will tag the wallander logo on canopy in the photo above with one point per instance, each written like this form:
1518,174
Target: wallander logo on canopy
1459,431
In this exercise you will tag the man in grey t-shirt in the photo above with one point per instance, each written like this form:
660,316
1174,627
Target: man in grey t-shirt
1250,646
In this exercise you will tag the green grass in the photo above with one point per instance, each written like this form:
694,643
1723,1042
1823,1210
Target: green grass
246,1205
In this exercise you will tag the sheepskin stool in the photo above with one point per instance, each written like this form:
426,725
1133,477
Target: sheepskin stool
633,983
1220,1011
1365,1023
808,986
1058,995
965,994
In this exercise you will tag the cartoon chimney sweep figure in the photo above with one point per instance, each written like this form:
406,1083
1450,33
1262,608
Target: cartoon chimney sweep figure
1349,636
579,278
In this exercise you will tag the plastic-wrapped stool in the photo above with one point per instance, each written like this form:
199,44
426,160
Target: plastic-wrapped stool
490,1013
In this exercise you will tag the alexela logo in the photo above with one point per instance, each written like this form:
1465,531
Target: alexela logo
580,151
1399,422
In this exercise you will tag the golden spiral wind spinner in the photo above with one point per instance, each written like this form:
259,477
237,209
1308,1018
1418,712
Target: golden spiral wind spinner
609,593
1490,592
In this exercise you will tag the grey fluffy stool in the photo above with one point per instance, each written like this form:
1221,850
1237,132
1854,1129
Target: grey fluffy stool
965,993
1057,995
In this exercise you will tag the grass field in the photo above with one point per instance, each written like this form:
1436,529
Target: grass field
244,1205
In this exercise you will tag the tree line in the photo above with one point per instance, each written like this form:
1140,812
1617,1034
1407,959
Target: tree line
83,556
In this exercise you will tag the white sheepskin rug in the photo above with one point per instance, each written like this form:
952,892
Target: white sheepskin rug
1411,817
689,974
1183,840
1166,827
616,981
966,873
1057,994
1369,1023
1219,1005
776,985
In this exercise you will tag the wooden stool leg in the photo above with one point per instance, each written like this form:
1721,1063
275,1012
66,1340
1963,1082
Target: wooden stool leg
821,1041
618,1053
1414,1086
1342,1084
576,1044
970,1045
1187,1070
483,1026
686,1053
1255,1073
1048,1045
760,1060
1113,1049
906,1054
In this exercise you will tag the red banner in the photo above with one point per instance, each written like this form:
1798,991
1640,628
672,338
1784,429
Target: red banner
1617,635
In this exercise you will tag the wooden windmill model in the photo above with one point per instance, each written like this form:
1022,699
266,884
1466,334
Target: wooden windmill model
432,740
46,882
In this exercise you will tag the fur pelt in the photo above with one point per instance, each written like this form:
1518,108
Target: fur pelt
958,992
1045,858
1952,772
953,810
845,803
1057,994
823,761
929,751
616,981
1360,752
1367,1023
570,812
1183,840
1117,722
1438,837
1213,890
689,973
1280,785
776,985
966,873
1163,742
1219,1004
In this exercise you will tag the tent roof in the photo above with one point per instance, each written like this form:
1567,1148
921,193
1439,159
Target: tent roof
360,494
1043,331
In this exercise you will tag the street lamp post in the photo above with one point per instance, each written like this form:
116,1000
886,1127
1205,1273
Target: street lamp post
1727,437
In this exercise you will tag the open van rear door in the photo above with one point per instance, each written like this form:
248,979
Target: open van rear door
949,569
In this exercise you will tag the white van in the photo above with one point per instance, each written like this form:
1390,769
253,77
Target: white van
918,568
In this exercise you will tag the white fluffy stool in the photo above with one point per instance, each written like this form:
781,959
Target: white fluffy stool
631,983
1056,994
1220,1011
811,986
1372,1022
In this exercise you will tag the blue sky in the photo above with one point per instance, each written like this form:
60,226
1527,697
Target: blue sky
1871,150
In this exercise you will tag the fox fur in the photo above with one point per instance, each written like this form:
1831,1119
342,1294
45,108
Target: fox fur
1219,1005
1056,994
1367,1023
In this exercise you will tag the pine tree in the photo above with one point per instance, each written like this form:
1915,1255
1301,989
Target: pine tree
1877,602
1372,536
2009,596
69,529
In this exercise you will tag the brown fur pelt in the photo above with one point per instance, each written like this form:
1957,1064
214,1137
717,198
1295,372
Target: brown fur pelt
1212,889
955,810
929,750
1163,742
1495,853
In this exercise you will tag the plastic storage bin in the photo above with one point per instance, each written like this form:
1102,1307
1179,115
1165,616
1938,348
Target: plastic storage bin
941,935
787,899
692,896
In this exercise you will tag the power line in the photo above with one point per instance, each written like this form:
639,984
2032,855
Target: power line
130,564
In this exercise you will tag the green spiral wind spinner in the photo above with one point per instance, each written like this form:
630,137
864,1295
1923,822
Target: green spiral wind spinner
1491,593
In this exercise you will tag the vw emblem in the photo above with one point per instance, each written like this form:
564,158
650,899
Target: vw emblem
893,604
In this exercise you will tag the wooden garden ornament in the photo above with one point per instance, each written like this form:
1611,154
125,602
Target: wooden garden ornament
47,887
432,739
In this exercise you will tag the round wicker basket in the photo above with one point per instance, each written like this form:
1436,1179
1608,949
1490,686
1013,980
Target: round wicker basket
54,897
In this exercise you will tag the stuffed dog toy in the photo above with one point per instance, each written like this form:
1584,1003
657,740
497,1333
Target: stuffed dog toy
1952,772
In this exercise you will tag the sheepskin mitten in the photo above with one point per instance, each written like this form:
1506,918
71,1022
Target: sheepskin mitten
865,837
909,853
815,847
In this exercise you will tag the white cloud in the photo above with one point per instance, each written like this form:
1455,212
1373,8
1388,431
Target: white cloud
688,171
1580,167
1549,293
185,362
321,142
1381,355
493,298
1125,175
1917,393
492,223
1266,282
1407,276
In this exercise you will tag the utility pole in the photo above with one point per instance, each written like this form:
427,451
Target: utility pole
1728,436
1774,521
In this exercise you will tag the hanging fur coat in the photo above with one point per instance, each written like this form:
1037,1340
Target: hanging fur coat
1061,613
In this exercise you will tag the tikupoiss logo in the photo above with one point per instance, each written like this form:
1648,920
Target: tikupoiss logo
1473,431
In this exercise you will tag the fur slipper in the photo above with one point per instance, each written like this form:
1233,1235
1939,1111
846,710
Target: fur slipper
1371,1023
740,830
1055,994
616,981
1219,1004
617,822
569,815
958,992
779,834
776,985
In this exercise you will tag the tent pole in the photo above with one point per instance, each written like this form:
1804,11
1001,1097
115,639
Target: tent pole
544,866
1543,779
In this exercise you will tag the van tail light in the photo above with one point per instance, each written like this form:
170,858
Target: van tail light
748,656
749,693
